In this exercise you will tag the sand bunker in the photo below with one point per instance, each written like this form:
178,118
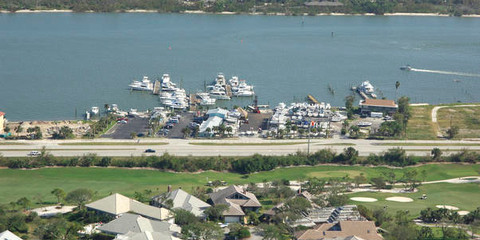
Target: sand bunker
399,199
447,207
363,199
463,213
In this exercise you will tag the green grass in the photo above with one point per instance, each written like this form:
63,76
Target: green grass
246,144
430,144
463,196
113,143
64,149
337,144
15,183
12,143
466,118
420,124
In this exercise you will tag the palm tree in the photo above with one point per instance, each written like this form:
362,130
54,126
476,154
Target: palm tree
229,130
186,132
397,85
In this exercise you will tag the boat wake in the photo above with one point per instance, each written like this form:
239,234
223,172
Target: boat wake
445,72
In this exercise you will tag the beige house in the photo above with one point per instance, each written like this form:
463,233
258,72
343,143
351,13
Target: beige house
342,230
117,204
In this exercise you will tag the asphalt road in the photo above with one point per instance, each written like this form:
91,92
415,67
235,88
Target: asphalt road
183,147
124,131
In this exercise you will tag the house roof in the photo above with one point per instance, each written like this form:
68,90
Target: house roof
145,236
129,222
342,230
2,114
217,111
7,235
378,103
117,204
183,200
210,123
225,196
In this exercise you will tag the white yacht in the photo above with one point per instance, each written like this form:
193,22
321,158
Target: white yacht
366,87
243,93
219,95
144,85
167,85
205,99
220,80
95,110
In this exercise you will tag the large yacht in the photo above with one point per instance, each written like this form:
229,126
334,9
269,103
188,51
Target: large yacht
366,87
167,85
144,85
219,95
205,99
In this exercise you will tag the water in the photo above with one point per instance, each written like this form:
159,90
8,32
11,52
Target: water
52,64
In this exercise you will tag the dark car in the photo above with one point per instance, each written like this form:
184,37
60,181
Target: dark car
149,150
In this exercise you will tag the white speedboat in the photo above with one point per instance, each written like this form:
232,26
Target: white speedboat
205,99
219,95
144,85
220,80
95,110
167,85
366,87
243,93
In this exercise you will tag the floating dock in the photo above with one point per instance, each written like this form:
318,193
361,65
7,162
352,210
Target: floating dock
312,99
156,87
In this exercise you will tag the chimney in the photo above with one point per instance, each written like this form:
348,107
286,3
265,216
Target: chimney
169,188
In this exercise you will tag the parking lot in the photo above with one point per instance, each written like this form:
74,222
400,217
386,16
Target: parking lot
255,121
176,131
124,131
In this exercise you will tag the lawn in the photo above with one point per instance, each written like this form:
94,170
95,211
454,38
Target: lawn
463,196
466,118
15,183
420,124
113,143
430,144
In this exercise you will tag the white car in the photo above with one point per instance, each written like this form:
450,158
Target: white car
34,153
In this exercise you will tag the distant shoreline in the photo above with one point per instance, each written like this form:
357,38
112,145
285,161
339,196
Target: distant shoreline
234,13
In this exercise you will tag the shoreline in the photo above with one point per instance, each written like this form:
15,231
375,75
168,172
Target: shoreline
255,14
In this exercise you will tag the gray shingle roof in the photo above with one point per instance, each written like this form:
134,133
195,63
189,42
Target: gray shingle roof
145,236
226,196
183,200
129,222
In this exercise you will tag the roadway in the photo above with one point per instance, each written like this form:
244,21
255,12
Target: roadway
182,147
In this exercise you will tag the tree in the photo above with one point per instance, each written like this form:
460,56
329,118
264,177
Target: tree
215,213
65,132
349,105
272,232
354,131
397,85
237,231
359,179
202,231
79,196
378,182
452,131
410,179
186,132
58,229
229,130
59,194
184,217
24,202
133,135
436,154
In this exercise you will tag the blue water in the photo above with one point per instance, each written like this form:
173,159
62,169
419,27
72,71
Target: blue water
52,64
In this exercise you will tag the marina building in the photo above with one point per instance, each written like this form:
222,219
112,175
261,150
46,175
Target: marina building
369,105
2,121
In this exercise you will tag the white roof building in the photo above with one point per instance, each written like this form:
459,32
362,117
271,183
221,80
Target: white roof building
7,235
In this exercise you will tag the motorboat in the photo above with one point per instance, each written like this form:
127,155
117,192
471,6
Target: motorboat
205,99
167,85
243,93
95,110
144,85
406,68
219,95
220,80
366,87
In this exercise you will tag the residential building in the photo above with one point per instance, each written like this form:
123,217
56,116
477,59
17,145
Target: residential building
7,235
319,215
117,204
342,230
238,201
378,105
133,226
179,199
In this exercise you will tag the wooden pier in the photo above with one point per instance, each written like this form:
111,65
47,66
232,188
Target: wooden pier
156,87
312,99
228,90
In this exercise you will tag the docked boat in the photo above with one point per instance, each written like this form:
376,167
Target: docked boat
243,93
205,99
167,85
95,110
366,87
219,95
220,80
144,85
406,68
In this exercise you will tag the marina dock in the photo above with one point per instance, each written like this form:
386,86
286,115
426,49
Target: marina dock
156,87
312,99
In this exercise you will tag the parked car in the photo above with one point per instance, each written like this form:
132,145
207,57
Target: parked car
33,153
150,150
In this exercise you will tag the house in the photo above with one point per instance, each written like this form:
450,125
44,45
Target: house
144,236
117,204
7,235
180,199
369,105
342,230
269,214
238,201
210,123
2,122
319,215
132,225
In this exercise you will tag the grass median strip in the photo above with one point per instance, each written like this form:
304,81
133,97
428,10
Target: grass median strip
245,144
431,144
64,149
12,143
113,143
337,144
